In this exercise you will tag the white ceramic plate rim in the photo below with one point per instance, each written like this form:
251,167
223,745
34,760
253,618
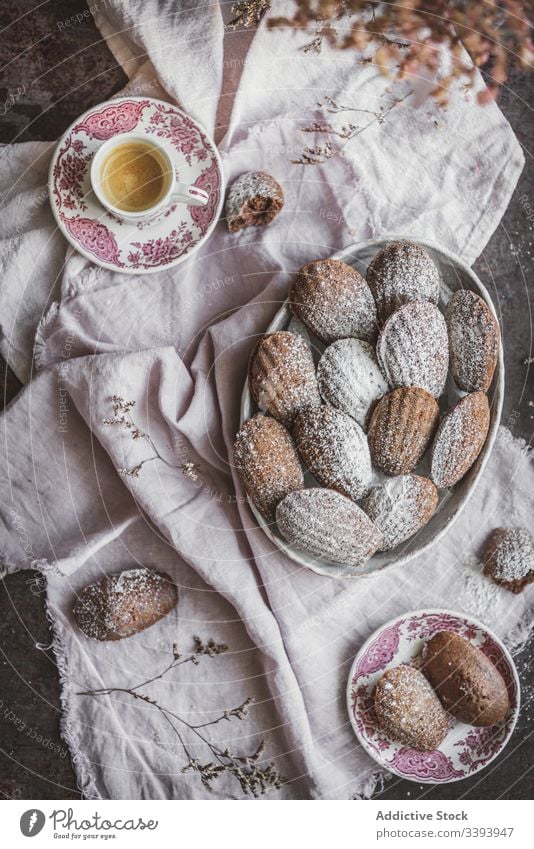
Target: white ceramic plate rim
429,612
102,263
310,562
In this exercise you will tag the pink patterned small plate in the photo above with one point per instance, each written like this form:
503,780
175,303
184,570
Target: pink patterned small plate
142,247
466,749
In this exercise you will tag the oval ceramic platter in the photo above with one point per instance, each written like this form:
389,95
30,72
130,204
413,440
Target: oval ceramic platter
454,274
142,247
466,749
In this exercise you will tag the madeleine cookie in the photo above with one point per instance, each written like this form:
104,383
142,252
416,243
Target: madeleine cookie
400,507
255,198
402,272
267,463
334,448
401,429
350,379
413,348
460,439
473,341
408,711
509,558
467,683
120,605
334,301
282,376
328,525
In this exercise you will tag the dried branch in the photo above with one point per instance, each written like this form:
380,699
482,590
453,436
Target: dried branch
318,154
407,38
254,776
122,416
248,13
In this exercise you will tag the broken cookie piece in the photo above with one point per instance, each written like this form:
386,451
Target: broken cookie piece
255,198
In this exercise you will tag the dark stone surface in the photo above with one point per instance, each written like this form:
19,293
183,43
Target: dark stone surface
65,72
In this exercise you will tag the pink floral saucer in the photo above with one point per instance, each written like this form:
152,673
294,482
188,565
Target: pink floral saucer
466,749
97,234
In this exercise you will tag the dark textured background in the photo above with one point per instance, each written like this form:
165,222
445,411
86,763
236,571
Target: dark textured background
63,74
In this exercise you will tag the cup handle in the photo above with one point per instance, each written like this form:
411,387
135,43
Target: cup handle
190,195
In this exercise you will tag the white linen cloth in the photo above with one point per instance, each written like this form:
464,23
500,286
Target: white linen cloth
177,343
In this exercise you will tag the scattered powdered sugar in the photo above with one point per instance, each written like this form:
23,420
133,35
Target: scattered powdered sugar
473,340
413,348
267,463
460,439
254,198
509,556
408,709
282,376
335,449
478,594
402,272
350,379
328,525
400,507
334,301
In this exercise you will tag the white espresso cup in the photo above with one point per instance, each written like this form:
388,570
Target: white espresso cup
134,178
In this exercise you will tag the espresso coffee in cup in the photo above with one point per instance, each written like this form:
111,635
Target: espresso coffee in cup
134,176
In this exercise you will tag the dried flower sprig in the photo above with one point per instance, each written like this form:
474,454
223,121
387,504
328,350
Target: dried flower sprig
248,13
318,154
190,470
122,416
407,37
254,776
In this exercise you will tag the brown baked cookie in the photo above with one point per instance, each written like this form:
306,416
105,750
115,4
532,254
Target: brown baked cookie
402,272
401,429
334,301
253,199
267,463
350,379
408,710
334,448
282,376
467,683
120,605
460,439
328,525
473,341
509,558
400,507
413,348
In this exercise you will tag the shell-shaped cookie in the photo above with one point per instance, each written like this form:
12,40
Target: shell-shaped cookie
400,507
402,272
467,683
413,348
334,301
334,448
350,379
460,439
408,710
267,463
401,429
328,525
118,606
473,341
509,558
282,376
